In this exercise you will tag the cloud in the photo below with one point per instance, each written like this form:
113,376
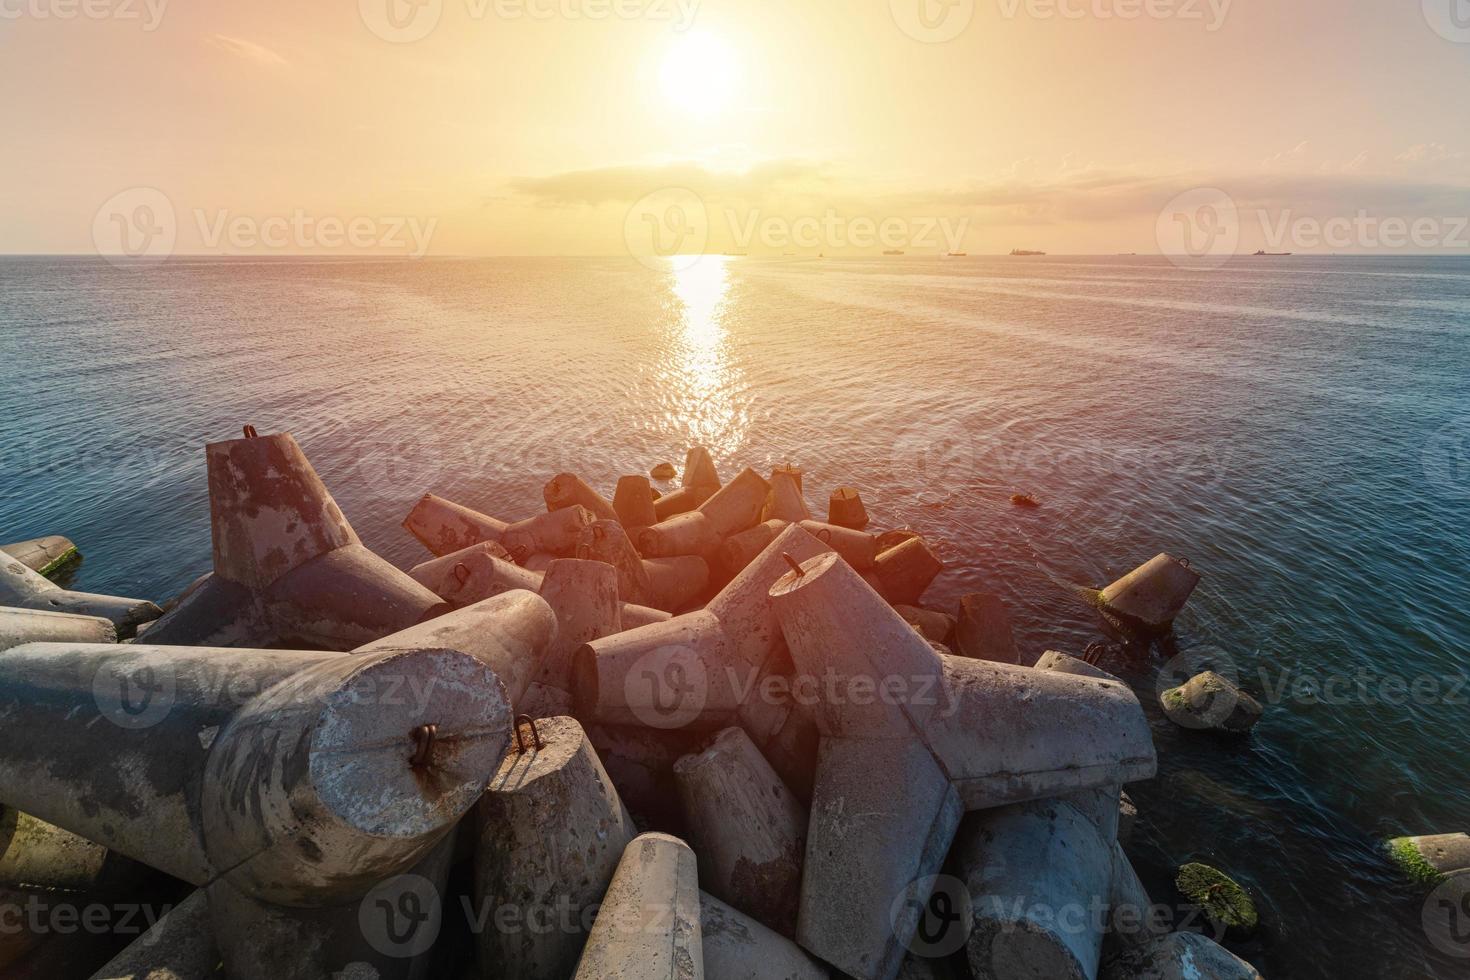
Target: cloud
248,49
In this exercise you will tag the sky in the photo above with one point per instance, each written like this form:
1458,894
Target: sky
551,127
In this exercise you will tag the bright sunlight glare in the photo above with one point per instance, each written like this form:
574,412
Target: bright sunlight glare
700,74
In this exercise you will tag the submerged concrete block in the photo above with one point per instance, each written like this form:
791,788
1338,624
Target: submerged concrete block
1211,701
1429,858
509,633
1039,876
19,626
288,568
550,832
1178,956
883,817
737,947
906,570
43,555
983,629
569,490
1153,594
888,540
243,760
784,501
583,595
25,589
633,502
747,828
649,925
845,509
736,506
179,946
858,548
445,527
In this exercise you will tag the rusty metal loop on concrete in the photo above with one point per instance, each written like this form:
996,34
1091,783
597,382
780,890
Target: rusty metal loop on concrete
535,735
1094,652
423,740
795,565
824,535
250,432
462,573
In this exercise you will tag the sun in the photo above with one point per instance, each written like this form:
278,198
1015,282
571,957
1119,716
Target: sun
699,74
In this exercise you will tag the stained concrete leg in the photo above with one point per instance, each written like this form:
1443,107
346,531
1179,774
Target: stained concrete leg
214,613
681,501
22,588
569,490
858,548
906,570
983,631
556,533
737,947
784,501
845,509
649,925
19,626
883,816
736,506
1040,881
471,574
445,527
551,830
43,555
179,946
699,471
1153,593
742,549
608,542
747,828
584,597
510,633
684,534
633,502
676,583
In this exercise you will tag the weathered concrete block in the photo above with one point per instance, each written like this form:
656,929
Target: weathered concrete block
1153,593
845,509
19,626
736,506
747,828
244,760
558,533
932,625
874,843
1178,956
675,584
648,927
542,701
1211,701
699,471
684,534
906,570
888,540
445,527
737,947
569,490
41,857
509,633
1428,859
740,550
633,502
179,946
681,501
784,501
24,589
43,555
1039,876
858,548
583,595
551,830
473,574
983,629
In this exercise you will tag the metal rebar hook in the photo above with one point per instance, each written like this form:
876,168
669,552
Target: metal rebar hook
423,742
535,735
250,432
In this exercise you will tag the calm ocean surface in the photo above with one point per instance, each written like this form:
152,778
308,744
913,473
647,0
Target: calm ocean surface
1299,428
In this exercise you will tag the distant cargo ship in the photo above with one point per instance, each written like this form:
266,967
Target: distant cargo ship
1025,251
1264,252
893,251
958,255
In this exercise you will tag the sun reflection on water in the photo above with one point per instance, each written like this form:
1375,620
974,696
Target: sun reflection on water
699,374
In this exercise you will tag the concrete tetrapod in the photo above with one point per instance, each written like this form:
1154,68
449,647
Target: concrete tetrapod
633,502
19,626
736,506
569,490
906,570
509,633
737,947
858,548
550,831
24,589
231,764
43,555
695,669
1040,877
445,527
1152,594
747,828
583,595
683,534
288,568
741,549
845,509
699,471
669,584
649,925
784,501
179,946
983,629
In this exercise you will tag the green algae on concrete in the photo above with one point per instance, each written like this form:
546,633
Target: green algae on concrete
1405,853
1224,901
